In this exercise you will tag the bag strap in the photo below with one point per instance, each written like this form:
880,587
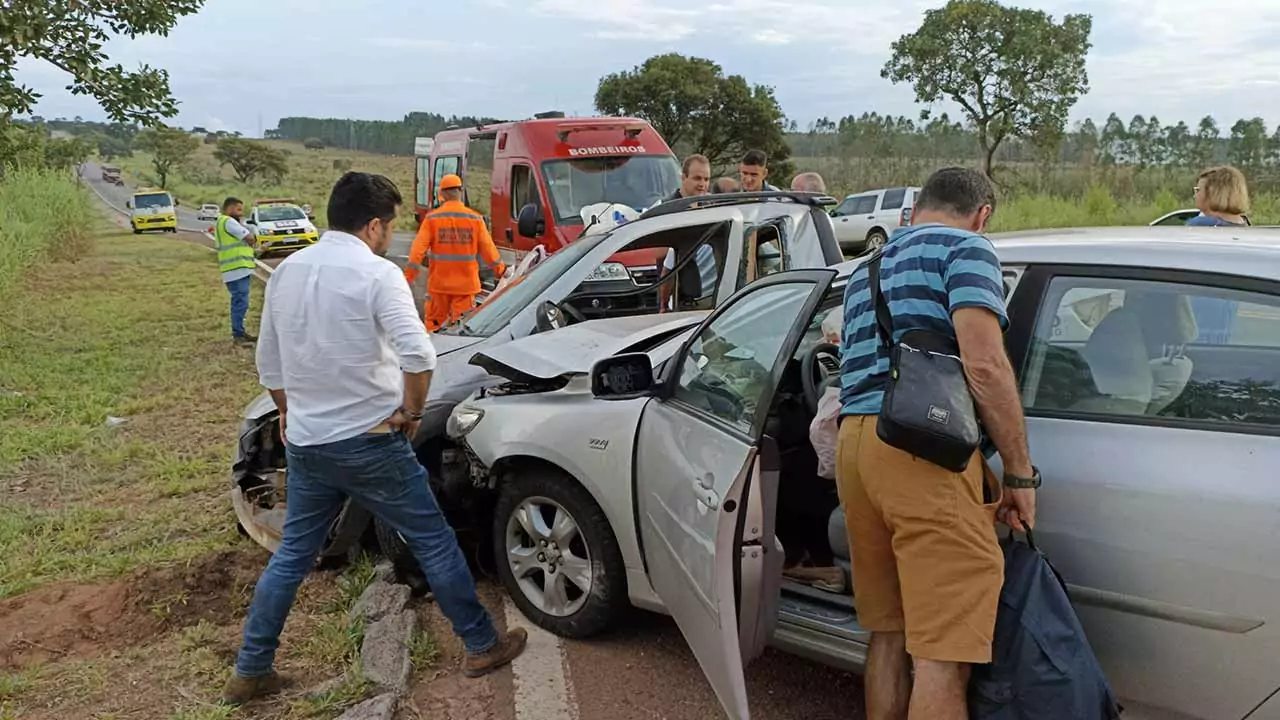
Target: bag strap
884,321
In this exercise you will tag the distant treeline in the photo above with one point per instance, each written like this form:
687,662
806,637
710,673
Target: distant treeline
386,137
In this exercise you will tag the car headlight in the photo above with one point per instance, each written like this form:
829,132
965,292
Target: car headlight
463,420
609,271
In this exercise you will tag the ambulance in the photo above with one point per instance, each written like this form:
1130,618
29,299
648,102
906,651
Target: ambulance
546,171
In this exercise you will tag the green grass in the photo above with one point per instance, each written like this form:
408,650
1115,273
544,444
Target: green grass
42,214
135,328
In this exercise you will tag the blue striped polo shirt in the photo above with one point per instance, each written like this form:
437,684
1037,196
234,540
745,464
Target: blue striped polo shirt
927,272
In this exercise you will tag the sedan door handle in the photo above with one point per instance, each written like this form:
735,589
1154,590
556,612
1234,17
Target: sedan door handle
703,488
508,234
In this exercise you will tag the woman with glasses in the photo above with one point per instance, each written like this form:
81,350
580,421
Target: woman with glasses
1222,196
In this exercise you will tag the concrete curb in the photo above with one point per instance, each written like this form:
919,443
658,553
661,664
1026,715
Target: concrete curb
385,652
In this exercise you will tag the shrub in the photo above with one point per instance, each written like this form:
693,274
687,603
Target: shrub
41,212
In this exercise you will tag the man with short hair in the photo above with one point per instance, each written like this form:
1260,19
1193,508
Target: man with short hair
725,185
695,177
348,364
454,240
236,262
753,170
926,560
808,182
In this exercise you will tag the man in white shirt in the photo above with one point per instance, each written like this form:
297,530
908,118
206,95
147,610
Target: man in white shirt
348,363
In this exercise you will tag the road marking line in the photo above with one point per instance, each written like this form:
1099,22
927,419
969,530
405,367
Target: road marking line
541,690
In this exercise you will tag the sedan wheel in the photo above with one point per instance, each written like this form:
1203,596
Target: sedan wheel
557,555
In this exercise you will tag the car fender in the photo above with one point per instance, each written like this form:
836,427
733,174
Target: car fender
593,442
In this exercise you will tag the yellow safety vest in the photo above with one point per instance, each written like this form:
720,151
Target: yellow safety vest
233,253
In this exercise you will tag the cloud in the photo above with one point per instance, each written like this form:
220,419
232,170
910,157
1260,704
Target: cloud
510,59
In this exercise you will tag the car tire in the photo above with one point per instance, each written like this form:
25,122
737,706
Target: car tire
136,231
876,240
591,610
402,560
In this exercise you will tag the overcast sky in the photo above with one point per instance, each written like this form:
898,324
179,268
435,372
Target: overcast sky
243,64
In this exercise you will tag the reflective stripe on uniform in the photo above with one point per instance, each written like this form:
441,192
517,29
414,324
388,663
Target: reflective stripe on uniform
483,263
456,215
450,257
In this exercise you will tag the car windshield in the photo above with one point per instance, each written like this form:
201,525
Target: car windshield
153,200
496,312
280,212
638,181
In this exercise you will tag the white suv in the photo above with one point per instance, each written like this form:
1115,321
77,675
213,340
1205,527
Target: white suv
864,221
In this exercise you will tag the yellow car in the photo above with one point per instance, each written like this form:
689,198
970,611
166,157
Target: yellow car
152,210
280,227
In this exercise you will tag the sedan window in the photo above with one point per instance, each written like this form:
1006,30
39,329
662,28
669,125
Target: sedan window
1133,348
727,368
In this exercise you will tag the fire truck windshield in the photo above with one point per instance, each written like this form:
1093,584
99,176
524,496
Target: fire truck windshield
638,181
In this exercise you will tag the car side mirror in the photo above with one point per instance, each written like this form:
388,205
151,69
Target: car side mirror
530,222
622,377
549,317
128,204
832,213
177,203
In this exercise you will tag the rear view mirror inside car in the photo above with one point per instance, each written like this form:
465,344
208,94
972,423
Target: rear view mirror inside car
622,377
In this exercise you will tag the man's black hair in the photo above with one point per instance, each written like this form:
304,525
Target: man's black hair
959,191
231,200
359,197
755,157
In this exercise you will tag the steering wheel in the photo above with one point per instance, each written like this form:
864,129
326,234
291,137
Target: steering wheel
814,375
551,316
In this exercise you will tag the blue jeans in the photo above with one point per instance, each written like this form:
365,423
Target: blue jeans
239,290
381,473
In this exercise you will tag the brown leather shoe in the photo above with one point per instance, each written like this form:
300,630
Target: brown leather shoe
239,691
508,648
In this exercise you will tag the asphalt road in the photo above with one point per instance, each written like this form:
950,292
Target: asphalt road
117,196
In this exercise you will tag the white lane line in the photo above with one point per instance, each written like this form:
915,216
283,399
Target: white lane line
541,691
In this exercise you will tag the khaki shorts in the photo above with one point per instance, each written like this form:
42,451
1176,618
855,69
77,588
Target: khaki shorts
924,546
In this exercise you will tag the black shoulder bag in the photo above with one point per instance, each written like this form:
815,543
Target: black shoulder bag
927,410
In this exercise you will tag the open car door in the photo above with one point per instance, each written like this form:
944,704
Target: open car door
706,477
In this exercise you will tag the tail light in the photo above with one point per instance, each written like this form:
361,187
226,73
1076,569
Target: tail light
905,219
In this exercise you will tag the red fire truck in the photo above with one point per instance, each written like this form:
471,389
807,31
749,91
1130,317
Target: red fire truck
550,168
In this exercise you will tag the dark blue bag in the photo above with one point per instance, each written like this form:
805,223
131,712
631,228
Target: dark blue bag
1042,667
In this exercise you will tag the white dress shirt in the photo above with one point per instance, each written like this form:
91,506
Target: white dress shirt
339,329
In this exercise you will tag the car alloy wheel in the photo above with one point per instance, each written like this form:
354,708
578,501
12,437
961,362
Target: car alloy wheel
548,556
876,240
556,553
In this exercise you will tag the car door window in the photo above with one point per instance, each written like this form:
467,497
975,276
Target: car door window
845,208
444,166
893,199
523,190
864,205
727,368
1137,349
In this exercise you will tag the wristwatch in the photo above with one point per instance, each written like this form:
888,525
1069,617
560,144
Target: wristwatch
414,416
1020,483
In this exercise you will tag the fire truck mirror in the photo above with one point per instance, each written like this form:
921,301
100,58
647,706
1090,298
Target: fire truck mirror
530,222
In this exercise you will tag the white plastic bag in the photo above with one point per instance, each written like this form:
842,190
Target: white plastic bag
527,263
824,432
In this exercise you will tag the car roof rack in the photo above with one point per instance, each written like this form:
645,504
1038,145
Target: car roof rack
738,198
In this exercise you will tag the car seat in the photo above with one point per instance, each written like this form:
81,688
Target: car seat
1117,356
1168,324
692,288
838,536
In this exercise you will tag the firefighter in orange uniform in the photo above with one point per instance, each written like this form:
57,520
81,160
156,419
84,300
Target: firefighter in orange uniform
454,241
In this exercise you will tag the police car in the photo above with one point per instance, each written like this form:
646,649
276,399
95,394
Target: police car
281,226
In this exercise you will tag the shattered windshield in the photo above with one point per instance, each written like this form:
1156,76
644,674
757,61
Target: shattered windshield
638,181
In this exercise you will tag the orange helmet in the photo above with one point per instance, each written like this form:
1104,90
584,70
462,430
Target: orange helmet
450,182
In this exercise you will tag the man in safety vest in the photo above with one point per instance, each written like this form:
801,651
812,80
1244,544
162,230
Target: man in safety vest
234,244
455,242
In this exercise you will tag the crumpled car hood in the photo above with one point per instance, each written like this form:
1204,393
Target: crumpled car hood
573,350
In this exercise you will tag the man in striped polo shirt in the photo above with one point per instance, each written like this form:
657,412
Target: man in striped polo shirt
925,554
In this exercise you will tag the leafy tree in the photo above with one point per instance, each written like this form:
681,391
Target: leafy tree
250,159
1087,141
1177,143
64,154
170,148
110,148
1114,141
71,34
1204,144
313,144
691,103
1247,148
1015,72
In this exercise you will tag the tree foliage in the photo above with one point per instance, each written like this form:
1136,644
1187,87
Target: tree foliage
377,136
70,35
694,106
250,159
1015,72
313,144
170,148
